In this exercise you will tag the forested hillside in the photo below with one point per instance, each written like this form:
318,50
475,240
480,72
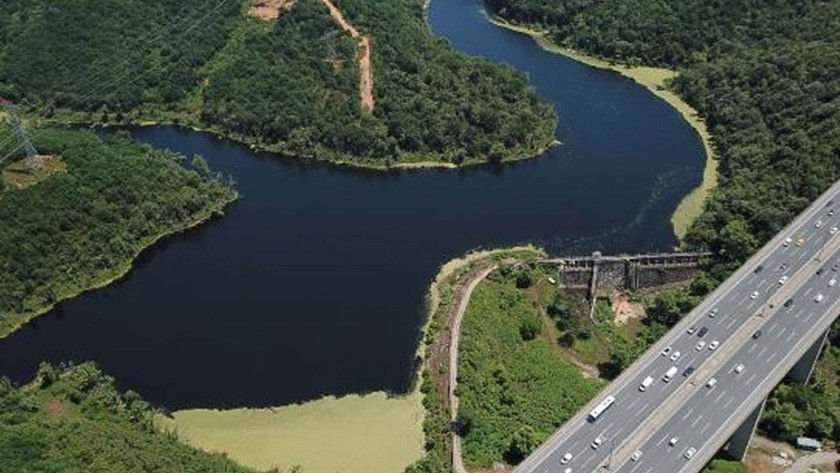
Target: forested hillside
75,420
289,85
82,227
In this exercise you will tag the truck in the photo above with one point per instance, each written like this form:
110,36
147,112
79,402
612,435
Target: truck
669,375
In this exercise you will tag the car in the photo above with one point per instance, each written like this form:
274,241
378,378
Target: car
566,459
645,384
758,269
713,313
818,223
820,271
783,279
756,334
818,298
673,441
597,443
688,371
831,213
754,295
740,368
700,345
782,266
666,351
788,241
800,241
711,383
675,356
832,231
835,267
714,345
692,329
567,470
636,455
690,453
788,302
832,282
703,331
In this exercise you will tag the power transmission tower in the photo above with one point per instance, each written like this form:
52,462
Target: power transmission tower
17,128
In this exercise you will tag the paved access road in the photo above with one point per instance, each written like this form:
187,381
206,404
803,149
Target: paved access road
751,299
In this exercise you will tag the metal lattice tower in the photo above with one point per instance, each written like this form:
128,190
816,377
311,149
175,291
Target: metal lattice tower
17,128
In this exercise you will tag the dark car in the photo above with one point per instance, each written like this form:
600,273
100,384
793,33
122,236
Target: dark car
702,332
757,334
783,266
830,203
788,302
688,371
820,271
835,267
758,269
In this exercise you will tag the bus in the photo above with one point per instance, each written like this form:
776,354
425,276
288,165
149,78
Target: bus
600,408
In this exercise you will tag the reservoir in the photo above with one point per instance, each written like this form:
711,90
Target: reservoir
313,283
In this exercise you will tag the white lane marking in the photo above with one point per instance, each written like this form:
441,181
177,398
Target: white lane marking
782,331
809,316
661,441
729,327
630,407
698,419
761,353
717,399
642,410
703,430
792,334
772,326
728,402
772,357
751,378
808,291
752,348
688,414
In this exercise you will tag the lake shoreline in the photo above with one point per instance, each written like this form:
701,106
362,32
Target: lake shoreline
653,79
110,277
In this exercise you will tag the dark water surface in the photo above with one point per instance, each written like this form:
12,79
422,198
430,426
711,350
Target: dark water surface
313,282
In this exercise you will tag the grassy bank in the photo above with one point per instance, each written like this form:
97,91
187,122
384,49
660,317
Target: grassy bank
354,434
82,228
655,79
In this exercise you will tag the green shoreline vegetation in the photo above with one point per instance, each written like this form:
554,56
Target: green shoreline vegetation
82,228
288,86
73,419
656,80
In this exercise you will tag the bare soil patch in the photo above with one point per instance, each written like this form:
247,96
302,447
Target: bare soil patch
30,171
624,308
268,10
55,409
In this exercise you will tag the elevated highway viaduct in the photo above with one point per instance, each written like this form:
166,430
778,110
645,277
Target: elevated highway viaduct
767,320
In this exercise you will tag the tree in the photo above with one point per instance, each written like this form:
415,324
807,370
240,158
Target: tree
530,328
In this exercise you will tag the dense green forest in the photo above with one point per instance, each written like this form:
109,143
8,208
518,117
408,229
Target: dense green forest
82,227
73,419
290,85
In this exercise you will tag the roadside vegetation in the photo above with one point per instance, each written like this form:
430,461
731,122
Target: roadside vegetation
72,419
289,85
82,227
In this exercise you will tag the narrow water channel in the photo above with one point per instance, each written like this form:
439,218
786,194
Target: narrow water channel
313,283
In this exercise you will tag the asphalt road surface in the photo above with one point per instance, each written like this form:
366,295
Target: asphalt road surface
703,417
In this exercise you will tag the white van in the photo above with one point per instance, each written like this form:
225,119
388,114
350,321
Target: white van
646,384
669,375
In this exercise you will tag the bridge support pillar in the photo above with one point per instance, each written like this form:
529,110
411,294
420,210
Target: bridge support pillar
740,440
802,370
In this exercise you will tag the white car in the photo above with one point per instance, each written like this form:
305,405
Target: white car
690,453
832,282
832,231
636,455
566,459
675,356
711,383
673,441
597,443
666,351
754,295
713,313
700,345
692,329
567,470
788,241
818,224
819,298
714,345
783,280
740,368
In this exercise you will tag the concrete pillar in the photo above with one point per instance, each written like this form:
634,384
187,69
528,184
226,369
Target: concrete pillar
740,440
802,370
